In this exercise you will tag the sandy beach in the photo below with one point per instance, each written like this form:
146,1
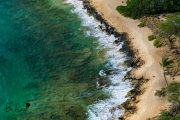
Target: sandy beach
149,105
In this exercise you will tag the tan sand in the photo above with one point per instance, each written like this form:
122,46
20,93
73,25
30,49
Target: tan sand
149,105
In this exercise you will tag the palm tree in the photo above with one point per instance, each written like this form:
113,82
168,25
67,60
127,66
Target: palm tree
164,63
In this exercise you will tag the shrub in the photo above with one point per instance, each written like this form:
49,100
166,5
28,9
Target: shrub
157,43
174,92
165,116
160,93
151,37
139,8
168,116
142,24
175,108
122,9
177,117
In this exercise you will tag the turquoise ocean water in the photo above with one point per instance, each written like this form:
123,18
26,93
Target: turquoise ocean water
54,58
47,61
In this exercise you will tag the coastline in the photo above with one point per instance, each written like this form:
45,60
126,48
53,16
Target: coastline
149,105
110,77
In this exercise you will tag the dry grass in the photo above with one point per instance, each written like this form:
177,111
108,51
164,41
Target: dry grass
173,54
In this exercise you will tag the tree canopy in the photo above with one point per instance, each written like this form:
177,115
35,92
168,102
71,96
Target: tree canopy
168,116
171,25
138,8
170,28
174,96
174,92
165,63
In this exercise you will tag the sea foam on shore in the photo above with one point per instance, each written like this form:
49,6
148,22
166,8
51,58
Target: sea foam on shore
109,108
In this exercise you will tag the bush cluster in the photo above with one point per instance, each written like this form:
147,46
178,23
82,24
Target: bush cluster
151,37
142,24
138,8
168,116
156,43
173,90
161,93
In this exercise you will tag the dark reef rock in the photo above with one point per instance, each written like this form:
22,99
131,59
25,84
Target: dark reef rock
121,118
132,59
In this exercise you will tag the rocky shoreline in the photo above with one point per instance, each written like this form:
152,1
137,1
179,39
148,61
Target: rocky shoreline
129,106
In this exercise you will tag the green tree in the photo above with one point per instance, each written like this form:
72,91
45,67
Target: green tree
138,8
168,116
170,28
174,92
174,96
165,116
177,117
164,64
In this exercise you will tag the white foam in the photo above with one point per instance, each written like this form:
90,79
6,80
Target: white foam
105,109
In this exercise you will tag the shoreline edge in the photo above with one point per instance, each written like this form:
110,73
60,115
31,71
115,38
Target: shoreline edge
151,56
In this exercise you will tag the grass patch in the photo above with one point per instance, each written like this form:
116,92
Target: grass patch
157,43
151,37
142,24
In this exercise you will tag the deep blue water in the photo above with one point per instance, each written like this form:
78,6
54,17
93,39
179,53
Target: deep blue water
47,61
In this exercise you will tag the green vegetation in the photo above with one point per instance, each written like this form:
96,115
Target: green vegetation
170,28
167,33
164,64
160,93
165,116
168,116
151,37
138,8
157,43
174,96
142,24
174,92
